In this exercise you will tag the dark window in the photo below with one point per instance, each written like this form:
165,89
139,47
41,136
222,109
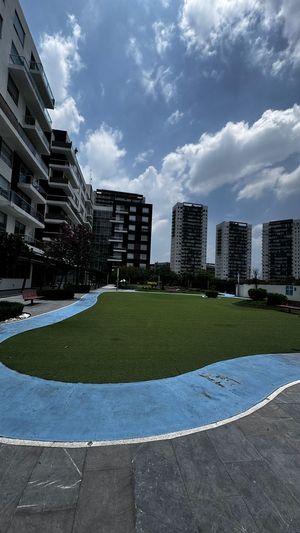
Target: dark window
3,220
13,89
19,29
19,228
1,24
6,153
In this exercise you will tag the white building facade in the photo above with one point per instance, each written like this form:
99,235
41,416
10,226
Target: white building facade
188,238
25,128
233,250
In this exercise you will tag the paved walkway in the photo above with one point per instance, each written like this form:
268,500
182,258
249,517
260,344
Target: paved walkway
242,477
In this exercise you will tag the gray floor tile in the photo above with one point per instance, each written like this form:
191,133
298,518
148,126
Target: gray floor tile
162,503
226,515
55,480
274,443
105,502
293,409
287,468
43,522
268,499
232,445
108,457
16,465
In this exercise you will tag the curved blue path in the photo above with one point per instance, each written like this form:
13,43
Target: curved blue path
36,409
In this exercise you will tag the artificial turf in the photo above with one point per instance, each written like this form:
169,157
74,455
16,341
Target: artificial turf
134,337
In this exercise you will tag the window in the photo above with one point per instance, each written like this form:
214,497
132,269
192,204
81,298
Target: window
144,228
131,237
6,153
145,209
131,227
130,264
19,29
144,238
143,265
130,256
132,209
144,219
1,24
143,257
19,228
3,220
130,246
289,290
12,89
144,247
132,218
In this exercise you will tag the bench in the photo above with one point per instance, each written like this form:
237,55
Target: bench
30,294
289,308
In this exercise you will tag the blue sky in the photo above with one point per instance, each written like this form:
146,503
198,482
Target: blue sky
181,101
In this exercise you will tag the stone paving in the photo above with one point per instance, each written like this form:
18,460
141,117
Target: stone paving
241,477
40,306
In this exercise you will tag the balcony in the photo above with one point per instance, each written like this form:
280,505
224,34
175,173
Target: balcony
30,186
69,171
57,218
65,148
32,242
115,239
42,83
20,72
36,134
68,206
13,204
114,260
13,133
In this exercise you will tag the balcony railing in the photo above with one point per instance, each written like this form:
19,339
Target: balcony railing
30,180
39,68
28,239
16,199
20,60
58,216
59,180
61,144
30,121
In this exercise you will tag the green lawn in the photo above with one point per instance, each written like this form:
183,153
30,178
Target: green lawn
134,337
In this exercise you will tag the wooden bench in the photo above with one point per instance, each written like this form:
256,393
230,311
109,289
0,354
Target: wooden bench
30,294
289,308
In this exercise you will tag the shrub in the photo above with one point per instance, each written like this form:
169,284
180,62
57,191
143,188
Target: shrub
10,310
58,294
81,289
211,294
273,298
257,295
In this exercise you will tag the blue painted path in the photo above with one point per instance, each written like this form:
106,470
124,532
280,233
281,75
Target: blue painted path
35,409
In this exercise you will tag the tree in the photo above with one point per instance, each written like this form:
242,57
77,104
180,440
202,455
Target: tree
71,250
12,249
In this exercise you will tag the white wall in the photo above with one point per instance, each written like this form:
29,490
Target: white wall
280,289
7,284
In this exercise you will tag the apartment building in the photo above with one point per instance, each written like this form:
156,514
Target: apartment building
122,227
25,128
281,250
69,198
188,238
233,250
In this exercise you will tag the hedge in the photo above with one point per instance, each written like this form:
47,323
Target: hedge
58,294
81,289
211,294
257,295
10,310
273,298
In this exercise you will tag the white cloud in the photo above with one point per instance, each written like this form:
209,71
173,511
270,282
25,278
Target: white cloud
163,34
239,151
175,117
134,51
143,157
67,116
159,81
101,153
207,25
61,58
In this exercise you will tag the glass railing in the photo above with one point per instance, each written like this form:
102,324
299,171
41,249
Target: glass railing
28,239
38,67
60,180
31,121
25,206
4,193
61,144
31,180
20,60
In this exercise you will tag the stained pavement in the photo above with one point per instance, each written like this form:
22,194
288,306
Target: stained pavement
241,477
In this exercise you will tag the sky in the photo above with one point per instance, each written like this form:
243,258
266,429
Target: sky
180,100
